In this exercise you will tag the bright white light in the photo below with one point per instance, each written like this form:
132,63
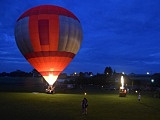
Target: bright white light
50,79
152,80
85,93
122,82
147,73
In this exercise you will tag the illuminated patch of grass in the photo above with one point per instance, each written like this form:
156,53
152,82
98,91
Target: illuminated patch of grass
41,106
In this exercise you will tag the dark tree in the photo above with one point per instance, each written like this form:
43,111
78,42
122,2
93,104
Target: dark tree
108,71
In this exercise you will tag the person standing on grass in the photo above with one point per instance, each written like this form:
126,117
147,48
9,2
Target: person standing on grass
84,105
139,97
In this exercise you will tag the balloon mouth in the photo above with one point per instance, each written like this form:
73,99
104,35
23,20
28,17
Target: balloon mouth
51,79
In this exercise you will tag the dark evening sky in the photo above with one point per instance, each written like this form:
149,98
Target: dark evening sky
122,34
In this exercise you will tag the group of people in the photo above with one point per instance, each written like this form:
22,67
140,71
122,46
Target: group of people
84,104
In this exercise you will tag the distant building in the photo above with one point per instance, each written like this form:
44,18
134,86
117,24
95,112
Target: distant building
88,74
74,74
139,81
140,77
83,74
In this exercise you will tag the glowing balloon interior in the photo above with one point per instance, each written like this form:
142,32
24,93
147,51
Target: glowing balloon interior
50,79
49,37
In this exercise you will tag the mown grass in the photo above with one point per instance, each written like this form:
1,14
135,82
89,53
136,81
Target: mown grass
41,106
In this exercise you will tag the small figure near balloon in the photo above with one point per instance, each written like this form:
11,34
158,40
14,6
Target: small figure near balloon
139,97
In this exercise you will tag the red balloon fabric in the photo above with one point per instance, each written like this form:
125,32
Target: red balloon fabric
49,37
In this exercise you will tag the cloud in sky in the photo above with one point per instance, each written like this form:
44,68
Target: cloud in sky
117,33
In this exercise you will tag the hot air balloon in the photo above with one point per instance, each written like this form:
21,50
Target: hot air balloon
48,37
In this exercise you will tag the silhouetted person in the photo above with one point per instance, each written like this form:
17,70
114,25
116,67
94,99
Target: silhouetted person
84,105
139,97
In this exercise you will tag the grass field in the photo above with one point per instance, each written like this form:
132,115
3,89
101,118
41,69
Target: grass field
41,106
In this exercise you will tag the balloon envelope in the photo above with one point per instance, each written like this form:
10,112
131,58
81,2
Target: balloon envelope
49,37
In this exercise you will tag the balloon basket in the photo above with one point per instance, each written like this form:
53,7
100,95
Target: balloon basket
50,90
